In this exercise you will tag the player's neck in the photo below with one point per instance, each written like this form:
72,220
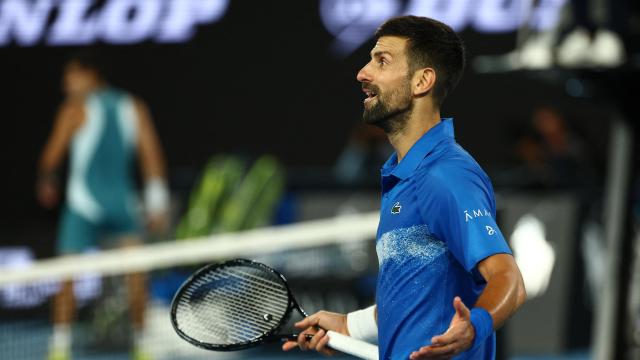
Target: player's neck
421,120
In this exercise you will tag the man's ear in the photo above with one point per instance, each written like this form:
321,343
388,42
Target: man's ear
424,80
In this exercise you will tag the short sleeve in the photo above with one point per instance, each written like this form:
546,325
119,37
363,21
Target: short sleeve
460,210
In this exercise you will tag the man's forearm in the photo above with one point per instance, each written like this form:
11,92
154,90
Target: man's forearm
502,296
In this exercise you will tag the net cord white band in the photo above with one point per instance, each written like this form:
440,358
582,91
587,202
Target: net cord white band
338,230
352,346
362,324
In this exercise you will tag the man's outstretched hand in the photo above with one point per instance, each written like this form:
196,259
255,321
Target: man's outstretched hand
458,338
317,325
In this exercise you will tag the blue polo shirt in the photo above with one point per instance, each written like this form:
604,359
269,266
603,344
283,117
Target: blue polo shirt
437,221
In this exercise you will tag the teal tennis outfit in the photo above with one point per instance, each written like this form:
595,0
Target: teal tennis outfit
100,191
437,222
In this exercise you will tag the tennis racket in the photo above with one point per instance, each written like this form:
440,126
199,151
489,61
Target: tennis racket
240,304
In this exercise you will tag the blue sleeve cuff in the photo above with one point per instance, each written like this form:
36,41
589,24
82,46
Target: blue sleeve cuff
483,325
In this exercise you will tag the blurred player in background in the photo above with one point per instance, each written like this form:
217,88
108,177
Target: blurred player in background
447,278
103,128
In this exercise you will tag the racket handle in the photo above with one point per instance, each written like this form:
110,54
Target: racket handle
351,346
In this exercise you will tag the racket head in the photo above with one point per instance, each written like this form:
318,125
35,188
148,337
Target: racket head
232,305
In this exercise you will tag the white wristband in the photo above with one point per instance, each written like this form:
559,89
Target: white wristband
362,324
156,196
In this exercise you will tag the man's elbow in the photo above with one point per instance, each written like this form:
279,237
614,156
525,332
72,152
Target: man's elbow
521,291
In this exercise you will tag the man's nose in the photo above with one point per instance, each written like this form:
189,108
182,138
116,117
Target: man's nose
363,75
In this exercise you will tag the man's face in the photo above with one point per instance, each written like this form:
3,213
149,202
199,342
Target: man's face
386,82
78,80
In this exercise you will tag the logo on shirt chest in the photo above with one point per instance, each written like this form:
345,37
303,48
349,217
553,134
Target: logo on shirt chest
395,209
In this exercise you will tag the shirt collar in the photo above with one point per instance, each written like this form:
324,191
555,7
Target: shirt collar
441,131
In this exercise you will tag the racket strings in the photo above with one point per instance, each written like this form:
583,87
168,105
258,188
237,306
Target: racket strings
238,320
230,330
201,325
231,305
246,295
227,309
251,290
225,323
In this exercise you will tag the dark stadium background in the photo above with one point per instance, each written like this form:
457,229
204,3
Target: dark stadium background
261,80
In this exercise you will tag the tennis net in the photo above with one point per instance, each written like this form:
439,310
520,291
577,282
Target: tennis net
329,263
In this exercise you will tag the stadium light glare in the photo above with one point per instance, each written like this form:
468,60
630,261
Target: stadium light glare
533,253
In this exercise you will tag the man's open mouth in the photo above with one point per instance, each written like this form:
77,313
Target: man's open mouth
370,95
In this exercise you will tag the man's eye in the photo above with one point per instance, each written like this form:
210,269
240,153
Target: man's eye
382,62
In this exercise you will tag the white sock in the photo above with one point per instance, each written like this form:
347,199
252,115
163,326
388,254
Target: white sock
61,338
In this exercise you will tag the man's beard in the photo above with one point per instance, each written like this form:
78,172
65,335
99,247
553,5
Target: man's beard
391,119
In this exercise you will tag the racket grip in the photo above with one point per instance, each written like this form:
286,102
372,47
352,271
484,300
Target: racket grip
352,346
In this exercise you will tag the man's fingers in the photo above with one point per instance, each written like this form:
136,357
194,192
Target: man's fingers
313,343
307,322
446,338
461,309
435,352
322,347
452,341
302,341
318,342
288,345
317,325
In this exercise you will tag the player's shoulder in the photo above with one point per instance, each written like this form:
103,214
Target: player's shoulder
71,105
71,112
451,170
121,96
132,98
114,94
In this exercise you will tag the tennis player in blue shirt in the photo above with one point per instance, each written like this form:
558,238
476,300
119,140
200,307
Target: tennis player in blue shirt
447,278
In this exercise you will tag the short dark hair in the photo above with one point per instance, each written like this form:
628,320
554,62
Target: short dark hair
89,59
430,44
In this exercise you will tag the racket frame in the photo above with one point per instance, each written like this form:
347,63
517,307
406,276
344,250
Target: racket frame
268,336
